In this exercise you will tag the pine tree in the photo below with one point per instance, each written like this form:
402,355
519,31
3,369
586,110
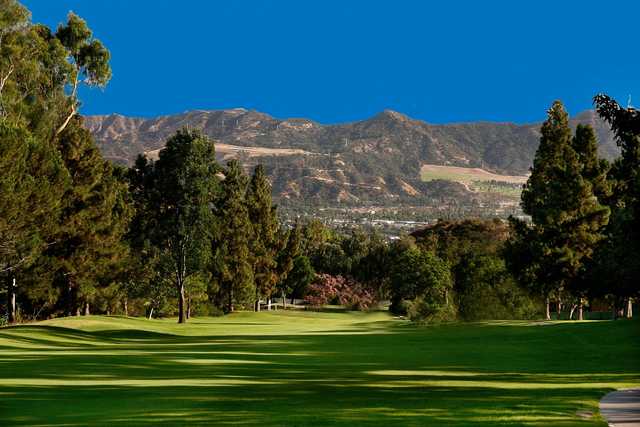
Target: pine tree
32,181
266,242
94,218
232,264
567,219
292,246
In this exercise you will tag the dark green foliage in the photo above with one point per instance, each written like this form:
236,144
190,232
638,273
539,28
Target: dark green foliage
484,290
266,241
180,190
567,218
421,274
32,183
299,278
94,218
616,269
232,264
593,169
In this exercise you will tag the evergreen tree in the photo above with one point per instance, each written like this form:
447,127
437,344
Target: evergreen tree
31,185
616,271
593,169
181,190
94,218
299,278
232,247
266,242
291,250
567,219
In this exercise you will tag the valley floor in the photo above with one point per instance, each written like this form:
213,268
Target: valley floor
303,368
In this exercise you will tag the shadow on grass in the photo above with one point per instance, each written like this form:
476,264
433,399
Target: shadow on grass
372,373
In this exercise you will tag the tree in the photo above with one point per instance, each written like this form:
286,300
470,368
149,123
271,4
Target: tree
484,289
593,169
420,274
286,257
232,260
567,219
266,242
182,187
94,218
88,57
616,272
299,278
31,184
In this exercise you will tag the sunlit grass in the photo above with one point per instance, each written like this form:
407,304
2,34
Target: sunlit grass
305,368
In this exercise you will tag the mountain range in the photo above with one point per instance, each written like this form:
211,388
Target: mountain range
374,160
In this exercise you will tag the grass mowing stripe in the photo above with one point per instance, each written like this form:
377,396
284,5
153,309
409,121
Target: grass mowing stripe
303,368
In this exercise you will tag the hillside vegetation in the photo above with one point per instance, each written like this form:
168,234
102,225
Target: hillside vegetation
375,160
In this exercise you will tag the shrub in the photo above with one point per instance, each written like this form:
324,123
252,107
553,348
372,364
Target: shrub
426,310
485,290
343,290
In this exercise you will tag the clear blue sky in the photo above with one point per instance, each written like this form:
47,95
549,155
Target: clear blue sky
343,60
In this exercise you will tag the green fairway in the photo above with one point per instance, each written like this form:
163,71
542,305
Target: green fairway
303,368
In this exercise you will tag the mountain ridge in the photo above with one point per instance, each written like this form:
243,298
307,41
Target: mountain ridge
379,158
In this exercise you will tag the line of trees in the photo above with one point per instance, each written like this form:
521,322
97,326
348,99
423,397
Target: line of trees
79,234
582,242
183,235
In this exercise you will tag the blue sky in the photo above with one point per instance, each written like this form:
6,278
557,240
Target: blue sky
335,61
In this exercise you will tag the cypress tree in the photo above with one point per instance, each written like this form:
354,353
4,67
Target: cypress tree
265,243
567,219
232,265
593,169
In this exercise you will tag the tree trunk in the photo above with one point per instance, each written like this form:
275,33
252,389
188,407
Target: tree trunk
151,313
189,308
269,304
559,308
573,308
284,302
86,308
547,309
181,303
628,308
11,298
292,300
77,311
126,306
230,302
581,310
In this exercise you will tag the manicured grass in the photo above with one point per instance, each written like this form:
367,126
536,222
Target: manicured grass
302,368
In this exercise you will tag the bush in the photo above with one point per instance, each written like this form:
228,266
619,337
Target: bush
425,310
485,290
326,289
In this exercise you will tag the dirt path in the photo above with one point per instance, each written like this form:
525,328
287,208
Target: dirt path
622,408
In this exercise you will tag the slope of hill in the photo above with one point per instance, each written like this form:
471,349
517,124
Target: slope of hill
374,160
